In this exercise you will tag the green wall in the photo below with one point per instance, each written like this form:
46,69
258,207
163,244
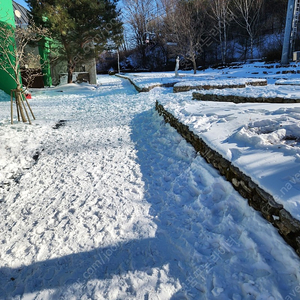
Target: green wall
44,51
6,16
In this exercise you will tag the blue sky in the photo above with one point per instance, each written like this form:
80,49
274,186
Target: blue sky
22,2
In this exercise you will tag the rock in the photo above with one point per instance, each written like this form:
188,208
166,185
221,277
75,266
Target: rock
290,223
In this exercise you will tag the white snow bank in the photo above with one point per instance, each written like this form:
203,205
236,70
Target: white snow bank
74,88
263,140
219,82
270,91
288,82
146,80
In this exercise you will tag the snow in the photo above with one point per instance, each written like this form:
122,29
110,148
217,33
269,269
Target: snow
116,205
269,91
288,82
146,80
239,71
260,139
4,96
219,82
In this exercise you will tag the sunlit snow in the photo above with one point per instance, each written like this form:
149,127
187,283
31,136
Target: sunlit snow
116,205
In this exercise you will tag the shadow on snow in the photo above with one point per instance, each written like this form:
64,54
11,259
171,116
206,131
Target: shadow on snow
160,166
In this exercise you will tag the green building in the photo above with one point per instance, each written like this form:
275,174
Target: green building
6,17
44,51
14,14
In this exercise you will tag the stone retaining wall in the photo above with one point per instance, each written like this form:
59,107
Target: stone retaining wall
288,227
241,99
132,82
146,89
185,88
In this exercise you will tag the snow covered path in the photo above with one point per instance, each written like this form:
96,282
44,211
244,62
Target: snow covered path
119,206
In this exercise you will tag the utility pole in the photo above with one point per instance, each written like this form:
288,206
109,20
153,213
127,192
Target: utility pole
291,23
118,53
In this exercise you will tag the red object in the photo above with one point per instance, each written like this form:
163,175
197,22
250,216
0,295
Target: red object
28,96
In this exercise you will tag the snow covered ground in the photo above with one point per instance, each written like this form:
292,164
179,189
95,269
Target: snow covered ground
114,204
261,139
270,72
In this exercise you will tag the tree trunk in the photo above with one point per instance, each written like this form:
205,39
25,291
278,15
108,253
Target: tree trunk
144,57
70,76
251,46
225,37
19,103
71,68
194,65
225,43
220,39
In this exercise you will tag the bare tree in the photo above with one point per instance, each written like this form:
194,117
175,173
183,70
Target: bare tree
186,25
14,41
247,17
222,14
32,67
140,15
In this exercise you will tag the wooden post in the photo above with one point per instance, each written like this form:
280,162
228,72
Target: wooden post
11,107
30,108
28,105
18,111
20,100
21,105
18,104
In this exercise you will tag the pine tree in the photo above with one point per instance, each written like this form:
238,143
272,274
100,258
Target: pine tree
80,28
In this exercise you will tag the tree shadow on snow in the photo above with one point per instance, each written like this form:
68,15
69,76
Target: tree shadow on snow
160,166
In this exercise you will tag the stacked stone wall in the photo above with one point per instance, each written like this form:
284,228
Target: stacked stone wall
241,99
260,200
